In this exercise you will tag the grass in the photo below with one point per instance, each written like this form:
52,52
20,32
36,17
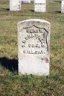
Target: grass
11,84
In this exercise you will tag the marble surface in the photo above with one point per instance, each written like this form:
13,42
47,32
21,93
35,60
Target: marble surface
62,6
34,47
40,5
15,5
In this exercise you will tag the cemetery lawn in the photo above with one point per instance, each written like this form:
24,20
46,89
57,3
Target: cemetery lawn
11,84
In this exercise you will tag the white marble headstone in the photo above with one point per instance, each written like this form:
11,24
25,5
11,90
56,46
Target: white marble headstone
33,47
40,5
15,5
26,1
62,6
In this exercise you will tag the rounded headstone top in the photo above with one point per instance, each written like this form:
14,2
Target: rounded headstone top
36,20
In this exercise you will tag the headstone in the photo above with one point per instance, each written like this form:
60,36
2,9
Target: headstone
62,6
34,47
15,5
26,1
40,5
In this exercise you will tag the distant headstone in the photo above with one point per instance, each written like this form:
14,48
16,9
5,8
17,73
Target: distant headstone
34,47
40,5
15,5
62,6
26,1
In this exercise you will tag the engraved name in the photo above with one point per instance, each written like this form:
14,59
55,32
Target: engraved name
40,36
33,52
35,30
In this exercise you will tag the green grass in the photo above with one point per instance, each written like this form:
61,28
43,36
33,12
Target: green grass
11,84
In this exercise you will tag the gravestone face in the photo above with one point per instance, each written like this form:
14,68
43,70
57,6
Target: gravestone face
33,47
26,1
62,6
40,5
15,5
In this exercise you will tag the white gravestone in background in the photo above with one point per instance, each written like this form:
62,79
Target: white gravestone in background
25,1
62,6
15,5
40,5
33,47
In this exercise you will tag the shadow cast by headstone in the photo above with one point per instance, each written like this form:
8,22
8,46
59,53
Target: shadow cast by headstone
5,9
57,1
32,10
57,11
11,64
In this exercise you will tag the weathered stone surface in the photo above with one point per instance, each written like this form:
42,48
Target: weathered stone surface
62,6
15,5
40,5
33,47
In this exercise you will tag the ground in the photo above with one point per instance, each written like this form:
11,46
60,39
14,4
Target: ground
11,84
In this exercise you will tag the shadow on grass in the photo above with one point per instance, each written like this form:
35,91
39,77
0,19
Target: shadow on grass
4,9
57,11
57,1
11,64
32,10
7,9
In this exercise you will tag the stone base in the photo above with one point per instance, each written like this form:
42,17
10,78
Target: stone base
30,66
